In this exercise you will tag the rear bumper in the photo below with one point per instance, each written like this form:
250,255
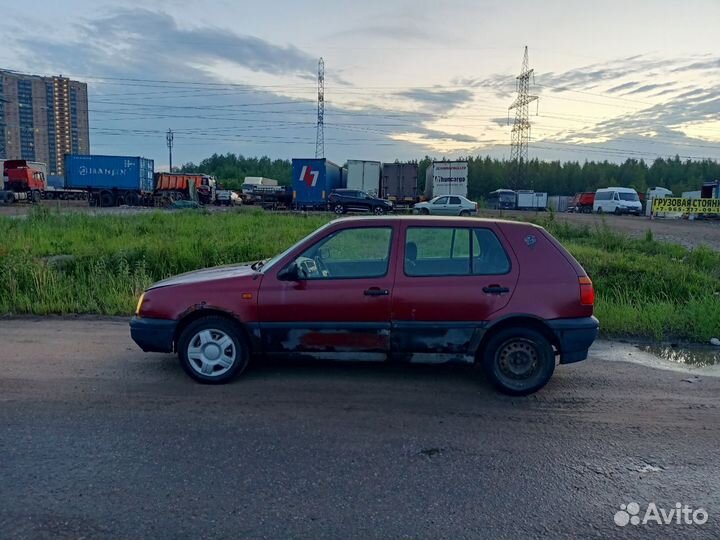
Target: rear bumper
575,337
153,335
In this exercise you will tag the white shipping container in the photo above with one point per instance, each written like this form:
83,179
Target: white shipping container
531,200
364,176
446,178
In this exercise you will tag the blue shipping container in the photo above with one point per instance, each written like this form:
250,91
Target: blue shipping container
313,180
109,172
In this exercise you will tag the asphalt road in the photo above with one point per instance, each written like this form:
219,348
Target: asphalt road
99,440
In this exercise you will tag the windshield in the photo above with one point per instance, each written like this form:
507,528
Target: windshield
629,197
506,197
269,263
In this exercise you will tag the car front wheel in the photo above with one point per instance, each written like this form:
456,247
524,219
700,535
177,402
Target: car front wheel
424,211
378,210
339,209
518,361
212,350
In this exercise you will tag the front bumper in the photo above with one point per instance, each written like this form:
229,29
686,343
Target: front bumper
575,337
153,335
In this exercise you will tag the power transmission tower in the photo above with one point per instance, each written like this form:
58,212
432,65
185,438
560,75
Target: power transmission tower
520,135
320,139
169,138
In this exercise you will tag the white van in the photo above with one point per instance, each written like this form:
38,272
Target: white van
617,200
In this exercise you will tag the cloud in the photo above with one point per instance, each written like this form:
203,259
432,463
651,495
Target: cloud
705,65
623,86
647,88
138,37
438,100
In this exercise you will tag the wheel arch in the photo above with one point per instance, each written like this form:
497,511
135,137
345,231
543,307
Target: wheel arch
518,321
196,314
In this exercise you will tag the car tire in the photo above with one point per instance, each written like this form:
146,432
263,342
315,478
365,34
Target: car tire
617,211
212,350
424,211
464,213
339,209
518,361
599,210
378,210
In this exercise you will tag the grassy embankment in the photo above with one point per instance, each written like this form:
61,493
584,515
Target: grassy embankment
644,287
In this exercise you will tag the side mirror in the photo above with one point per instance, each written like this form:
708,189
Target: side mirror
290,273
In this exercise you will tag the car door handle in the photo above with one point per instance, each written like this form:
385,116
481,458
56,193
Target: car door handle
376,291
495,289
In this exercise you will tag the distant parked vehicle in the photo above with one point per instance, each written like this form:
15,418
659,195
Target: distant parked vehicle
582,202
531,200
352,200
617,200
447,205
502,199
227,197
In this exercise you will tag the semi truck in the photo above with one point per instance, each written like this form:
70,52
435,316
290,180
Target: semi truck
312,181
446,178
27,181
399,183
364,176
111,180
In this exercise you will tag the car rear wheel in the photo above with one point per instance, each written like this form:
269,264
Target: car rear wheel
518,361
339,209
378,210
464,213
212,350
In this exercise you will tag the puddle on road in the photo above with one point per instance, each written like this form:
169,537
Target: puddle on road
698,360
689,356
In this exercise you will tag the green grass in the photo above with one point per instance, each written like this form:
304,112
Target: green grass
644,287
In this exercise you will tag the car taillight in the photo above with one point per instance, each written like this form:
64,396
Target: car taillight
587,292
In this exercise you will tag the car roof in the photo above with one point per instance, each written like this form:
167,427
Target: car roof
620,189
430,220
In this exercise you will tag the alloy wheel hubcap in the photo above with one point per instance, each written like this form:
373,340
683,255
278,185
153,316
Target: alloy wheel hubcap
211,352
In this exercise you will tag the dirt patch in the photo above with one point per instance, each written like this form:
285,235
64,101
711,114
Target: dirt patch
679,231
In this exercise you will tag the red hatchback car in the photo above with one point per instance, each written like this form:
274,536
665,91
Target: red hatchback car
504,295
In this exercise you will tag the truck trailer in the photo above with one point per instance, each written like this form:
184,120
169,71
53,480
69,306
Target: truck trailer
399,183
312,181
111,180
364,176
446,178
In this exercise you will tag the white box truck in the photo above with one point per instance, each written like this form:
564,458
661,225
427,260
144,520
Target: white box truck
446,178
364,176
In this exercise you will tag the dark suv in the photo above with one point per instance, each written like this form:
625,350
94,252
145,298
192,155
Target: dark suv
352,200
503,295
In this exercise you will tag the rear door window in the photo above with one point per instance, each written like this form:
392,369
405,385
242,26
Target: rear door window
449,251
454,200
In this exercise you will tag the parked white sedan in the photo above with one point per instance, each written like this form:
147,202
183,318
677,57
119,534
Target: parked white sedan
447,205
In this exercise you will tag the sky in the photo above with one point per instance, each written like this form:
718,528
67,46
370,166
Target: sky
403,79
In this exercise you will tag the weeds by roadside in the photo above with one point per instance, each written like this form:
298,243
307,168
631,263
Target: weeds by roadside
75,263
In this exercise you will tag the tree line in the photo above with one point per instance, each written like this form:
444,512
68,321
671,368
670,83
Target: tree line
486,174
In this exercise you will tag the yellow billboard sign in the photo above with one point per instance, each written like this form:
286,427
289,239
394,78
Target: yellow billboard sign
686,206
